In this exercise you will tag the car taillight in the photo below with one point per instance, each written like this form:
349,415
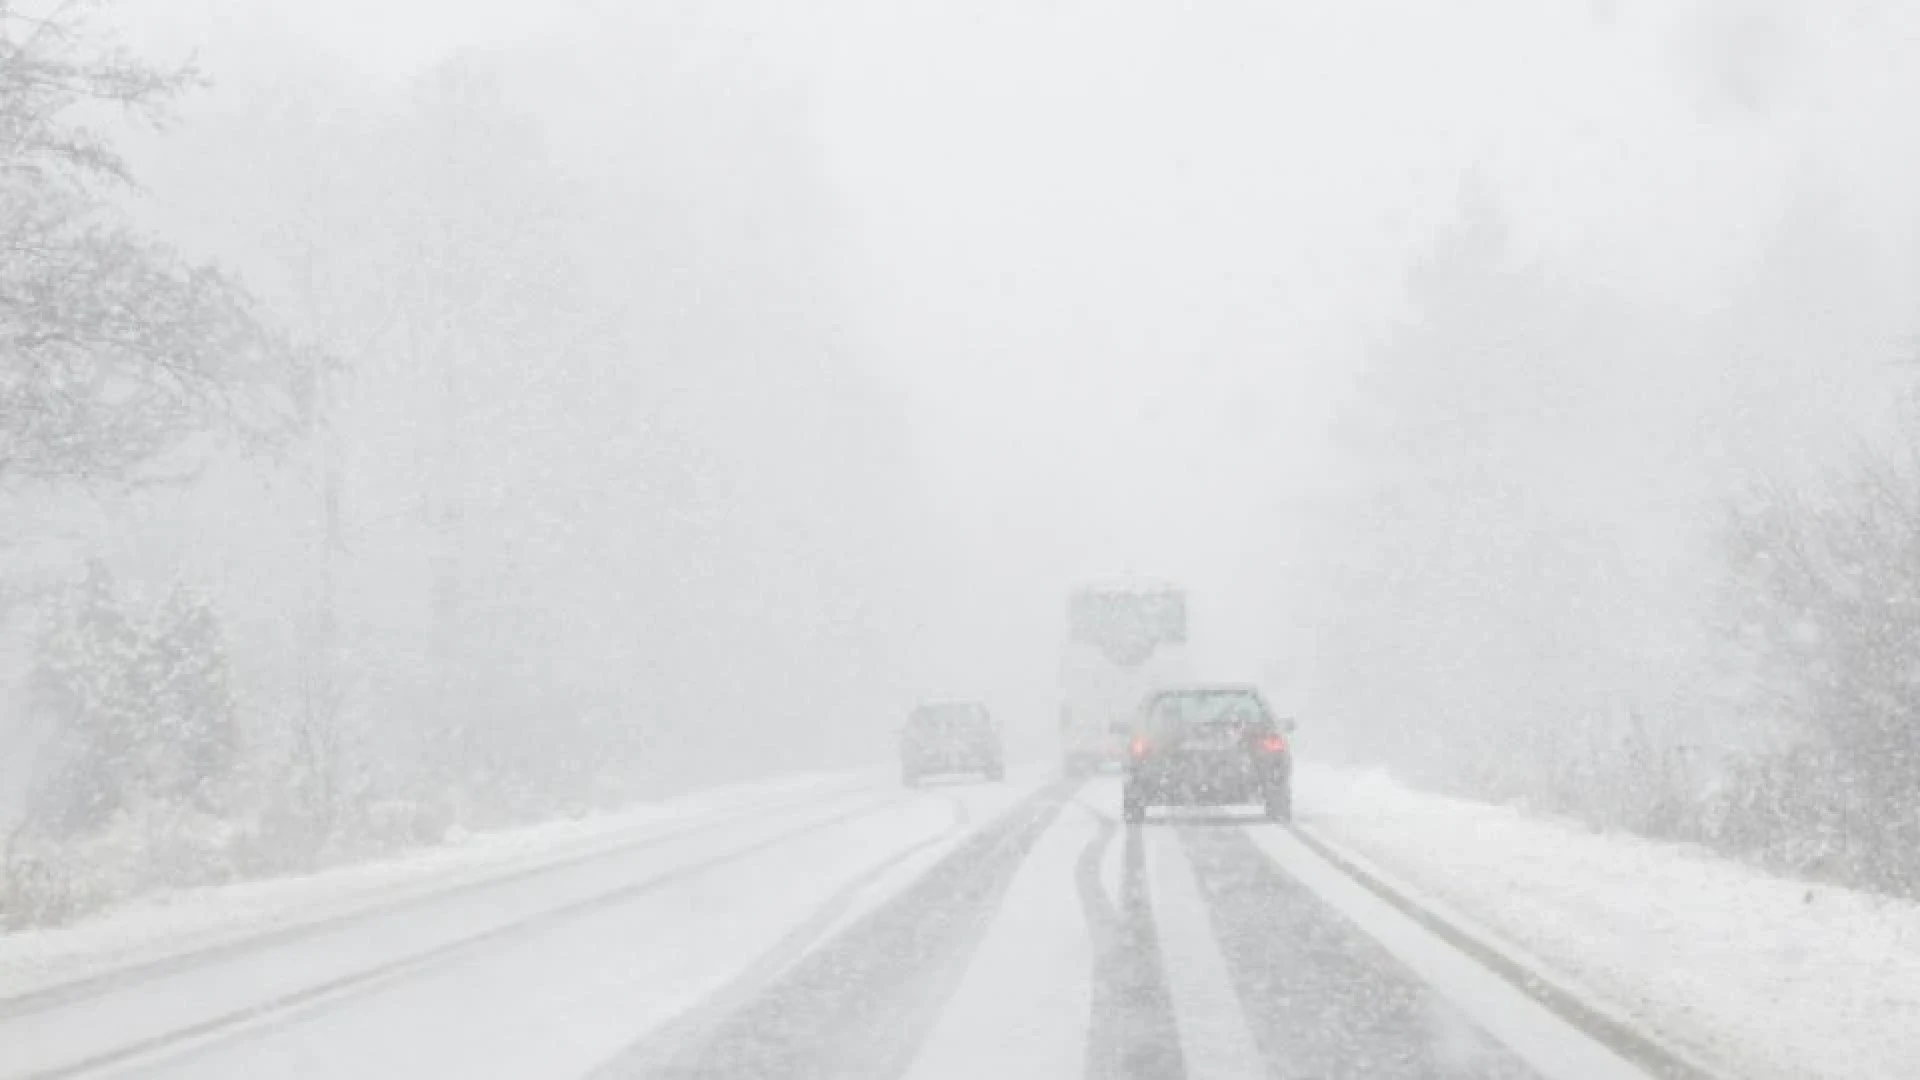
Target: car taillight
1138,748
1274,744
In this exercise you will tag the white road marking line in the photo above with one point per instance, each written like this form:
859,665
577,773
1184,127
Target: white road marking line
1539,1036
1101,798
1021,1009
1214,1037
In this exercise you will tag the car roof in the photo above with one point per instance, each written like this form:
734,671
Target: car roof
1127,583
1197,689
948,703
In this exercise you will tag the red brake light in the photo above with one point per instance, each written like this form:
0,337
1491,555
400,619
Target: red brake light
1138,748
1274,744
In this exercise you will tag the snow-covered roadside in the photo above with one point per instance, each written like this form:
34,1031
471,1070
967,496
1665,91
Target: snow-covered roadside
1767,976
161,926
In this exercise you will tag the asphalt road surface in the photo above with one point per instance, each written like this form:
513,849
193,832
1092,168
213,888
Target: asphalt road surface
955,931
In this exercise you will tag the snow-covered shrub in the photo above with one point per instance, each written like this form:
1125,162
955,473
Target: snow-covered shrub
133,790
35,889
138,702
82,690
148,844
1784,810
280,838
1823,605
393,824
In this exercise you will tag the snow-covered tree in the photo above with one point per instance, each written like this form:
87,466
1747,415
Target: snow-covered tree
82,692
114,351
137,703
611,483
1821,612
1497,615
189,730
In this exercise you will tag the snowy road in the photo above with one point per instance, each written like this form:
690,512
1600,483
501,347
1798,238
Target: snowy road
964,930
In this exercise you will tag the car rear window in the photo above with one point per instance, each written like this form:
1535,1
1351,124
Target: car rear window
936,718
1178,712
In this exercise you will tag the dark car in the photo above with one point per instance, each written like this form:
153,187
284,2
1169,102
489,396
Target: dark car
1207,745
950,737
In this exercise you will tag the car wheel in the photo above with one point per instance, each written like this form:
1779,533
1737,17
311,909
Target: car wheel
1280,803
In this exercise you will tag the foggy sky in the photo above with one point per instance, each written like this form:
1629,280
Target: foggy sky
1124,259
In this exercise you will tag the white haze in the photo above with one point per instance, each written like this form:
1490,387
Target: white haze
1096,284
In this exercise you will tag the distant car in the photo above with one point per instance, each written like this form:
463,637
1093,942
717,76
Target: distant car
1087,742
943,737
1207,745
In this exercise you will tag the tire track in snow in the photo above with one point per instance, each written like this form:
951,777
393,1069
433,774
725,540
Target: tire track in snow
1097,907
1322,999
1132,1034
679,1036
860,1006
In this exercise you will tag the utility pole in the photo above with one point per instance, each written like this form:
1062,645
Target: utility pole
317,736
446,504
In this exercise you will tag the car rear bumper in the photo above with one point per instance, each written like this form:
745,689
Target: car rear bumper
1198,797
937,766
1203,791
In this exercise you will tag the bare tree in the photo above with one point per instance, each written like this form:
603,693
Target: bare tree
114,351
1823,608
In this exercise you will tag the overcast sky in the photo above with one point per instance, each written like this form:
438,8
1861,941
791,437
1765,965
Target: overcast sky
1125,257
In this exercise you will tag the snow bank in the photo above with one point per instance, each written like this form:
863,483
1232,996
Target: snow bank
1769,977
157,927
